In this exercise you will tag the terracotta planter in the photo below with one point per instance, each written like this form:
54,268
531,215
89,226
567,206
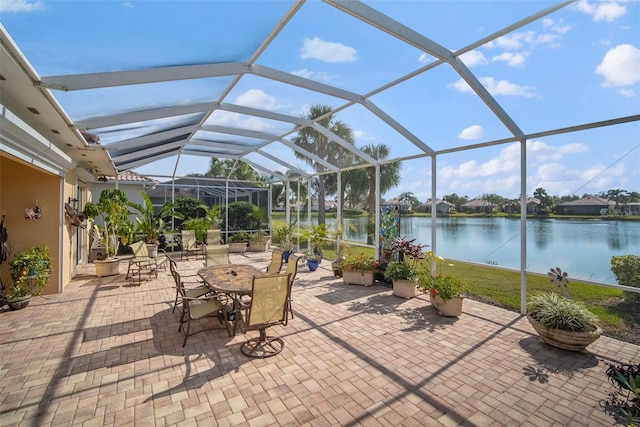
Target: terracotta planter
405,288
237,247
107,267
450,308
354,277
566,340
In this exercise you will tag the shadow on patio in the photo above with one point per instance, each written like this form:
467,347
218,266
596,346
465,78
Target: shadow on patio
105,353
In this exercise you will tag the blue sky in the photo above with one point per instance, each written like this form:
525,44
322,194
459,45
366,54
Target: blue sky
575,66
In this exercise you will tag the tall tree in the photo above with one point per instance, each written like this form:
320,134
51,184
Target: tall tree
241,171
541,194
389,178
617,196
409,198
318,144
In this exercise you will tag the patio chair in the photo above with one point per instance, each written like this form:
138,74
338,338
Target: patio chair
268,307
192,292
142,262
276,261
292,271
196,308
216,255
214,237
190,245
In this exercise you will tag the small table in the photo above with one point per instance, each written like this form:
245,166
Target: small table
221,278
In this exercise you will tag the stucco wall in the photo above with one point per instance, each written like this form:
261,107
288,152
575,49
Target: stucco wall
20,186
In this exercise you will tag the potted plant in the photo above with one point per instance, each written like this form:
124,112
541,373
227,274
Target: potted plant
149,224
284,234
446,291
358,269
315,235
404,273
560,321
238,242
624,402
313,259
112,207
259,241
342,246
30,271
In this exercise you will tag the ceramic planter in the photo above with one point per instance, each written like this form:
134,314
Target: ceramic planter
152,249
237,247
18,303
354,277
450,308
566,340
313,264
107,267
405,288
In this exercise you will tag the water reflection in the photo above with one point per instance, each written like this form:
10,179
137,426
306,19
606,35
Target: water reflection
581,247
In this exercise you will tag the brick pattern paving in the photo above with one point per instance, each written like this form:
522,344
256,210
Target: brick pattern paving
107,353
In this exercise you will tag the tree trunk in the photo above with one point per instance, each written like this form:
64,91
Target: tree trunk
321,217
372,204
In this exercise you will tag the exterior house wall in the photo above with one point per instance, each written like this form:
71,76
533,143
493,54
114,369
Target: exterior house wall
20,186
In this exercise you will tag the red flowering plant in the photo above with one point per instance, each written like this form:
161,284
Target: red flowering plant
441,284
359,262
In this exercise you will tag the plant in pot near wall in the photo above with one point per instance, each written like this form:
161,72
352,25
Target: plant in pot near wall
313,259
315,235
404,273
560,321
149,224
30,271
238,242
358,268
112,207
446,291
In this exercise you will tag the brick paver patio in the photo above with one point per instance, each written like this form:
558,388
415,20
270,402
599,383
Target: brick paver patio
108,353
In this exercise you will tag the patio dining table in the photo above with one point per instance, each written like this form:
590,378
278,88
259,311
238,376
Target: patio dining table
234,280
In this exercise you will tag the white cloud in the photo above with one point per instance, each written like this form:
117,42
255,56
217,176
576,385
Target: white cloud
512,59
425,58
540,151
226,118
257,98
321,50
127,4
620,66
499,87
473,58
472,132
627,93
313,75
604,11
20,6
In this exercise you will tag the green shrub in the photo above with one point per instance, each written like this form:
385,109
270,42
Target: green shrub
199,225
557,312
627,271
242,216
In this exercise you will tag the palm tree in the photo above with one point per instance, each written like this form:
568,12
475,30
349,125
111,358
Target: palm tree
541,194
318,144
225,168
389,178
618,196
409,198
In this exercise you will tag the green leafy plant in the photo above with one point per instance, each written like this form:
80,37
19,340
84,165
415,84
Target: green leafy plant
284,234
445,285
624,402
558,312
257,236
199,225
315,234
399,270
30,271
627,271
239,237
359,261
410,254
149,224
113,208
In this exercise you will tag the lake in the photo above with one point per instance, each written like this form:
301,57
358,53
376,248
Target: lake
583,248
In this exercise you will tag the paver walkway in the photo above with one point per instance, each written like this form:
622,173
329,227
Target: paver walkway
107,353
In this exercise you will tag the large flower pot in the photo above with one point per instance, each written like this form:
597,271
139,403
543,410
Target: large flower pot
313,264
567,340
107,267
405,288
237,247
18,303
450,308
152,249
354,277
286,255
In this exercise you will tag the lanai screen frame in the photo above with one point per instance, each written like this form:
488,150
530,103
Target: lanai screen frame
139,151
